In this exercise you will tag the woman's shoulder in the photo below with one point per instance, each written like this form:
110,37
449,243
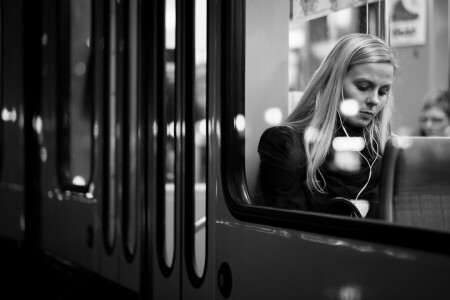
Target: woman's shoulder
280,133
282,137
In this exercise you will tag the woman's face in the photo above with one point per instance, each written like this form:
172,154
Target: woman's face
434,122
367,84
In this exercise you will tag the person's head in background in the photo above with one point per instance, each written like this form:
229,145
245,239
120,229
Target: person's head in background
434,119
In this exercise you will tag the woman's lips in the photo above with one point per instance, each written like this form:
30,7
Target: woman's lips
366,114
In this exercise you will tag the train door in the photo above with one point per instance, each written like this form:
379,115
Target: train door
269,51
64,128
179,262
90,141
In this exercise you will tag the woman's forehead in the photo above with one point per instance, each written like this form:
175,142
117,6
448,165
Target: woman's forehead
377,72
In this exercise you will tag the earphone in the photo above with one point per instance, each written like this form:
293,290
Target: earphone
368,163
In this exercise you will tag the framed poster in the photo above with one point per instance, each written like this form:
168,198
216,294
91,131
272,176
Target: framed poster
408,20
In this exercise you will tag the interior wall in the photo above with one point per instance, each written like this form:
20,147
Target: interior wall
266,72
422,68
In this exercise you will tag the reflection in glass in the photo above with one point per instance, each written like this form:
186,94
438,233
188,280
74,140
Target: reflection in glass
310,42
131,153
76,120
285,41
200,152
109,207
169,109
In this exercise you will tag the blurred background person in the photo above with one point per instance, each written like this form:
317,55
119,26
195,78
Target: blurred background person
434,118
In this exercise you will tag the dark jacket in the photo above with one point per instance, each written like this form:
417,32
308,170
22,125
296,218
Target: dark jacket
283,174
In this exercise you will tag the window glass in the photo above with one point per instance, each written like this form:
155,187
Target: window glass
419,33
111,184
169,142
76,92
285,41
200,123
131,153
290,39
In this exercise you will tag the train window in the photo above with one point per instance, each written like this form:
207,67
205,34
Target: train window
76,97
200,135
112,129
169,142
290,39
287,38
296,38
131,130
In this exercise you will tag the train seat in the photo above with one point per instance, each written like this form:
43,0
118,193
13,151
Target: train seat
415,182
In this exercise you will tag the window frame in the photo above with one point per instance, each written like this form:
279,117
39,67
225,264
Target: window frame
237,196
2,125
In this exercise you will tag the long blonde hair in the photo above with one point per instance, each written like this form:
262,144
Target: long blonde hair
319,105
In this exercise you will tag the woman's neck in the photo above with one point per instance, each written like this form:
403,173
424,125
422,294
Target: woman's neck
343,126
353,130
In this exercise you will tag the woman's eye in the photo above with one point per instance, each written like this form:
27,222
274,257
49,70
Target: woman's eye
383,93
362,87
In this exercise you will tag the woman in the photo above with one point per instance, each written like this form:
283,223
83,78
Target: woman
434,118
298,162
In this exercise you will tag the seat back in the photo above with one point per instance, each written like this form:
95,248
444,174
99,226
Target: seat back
415,182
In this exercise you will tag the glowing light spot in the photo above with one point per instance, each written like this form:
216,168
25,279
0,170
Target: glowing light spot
9,115
155,128
44,39
350,293
402,142
5,115
311,135
273,116
239,123
80,68
43,154
202,127
96,130
171,129
344,143
78,180
348,161
38,125
349,107
200,133
13,115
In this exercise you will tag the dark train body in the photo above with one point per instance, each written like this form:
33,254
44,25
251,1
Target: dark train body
127,161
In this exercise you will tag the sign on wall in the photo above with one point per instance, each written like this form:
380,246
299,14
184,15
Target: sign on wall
408,22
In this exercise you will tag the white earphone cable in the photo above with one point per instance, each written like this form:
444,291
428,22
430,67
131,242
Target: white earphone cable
368,163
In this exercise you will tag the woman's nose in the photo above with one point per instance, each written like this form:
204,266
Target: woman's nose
373,100
429,123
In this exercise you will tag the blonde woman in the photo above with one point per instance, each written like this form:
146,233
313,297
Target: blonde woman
300,168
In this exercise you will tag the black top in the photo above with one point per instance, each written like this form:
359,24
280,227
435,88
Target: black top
283,173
